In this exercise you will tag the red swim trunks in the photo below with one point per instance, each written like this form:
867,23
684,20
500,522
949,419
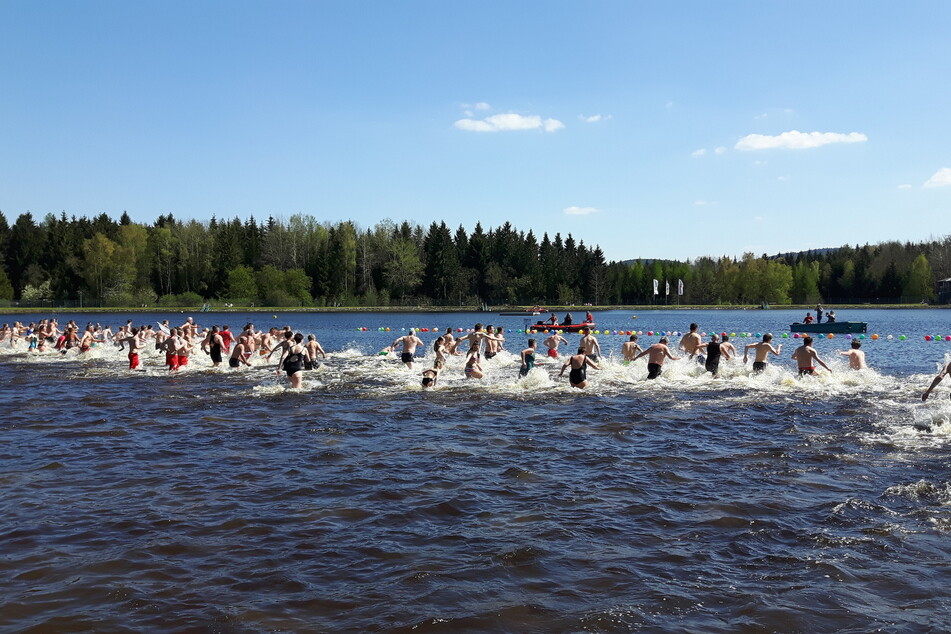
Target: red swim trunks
552,353
133,360
182,360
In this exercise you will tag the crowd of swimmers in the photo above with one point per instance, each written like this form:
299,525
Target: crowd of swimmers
177,343
295,356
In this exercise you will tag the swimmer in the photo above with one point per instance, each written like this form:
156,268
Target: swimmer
476,337
590,344
690,341
213,345
292,361
409,343
493,346
439,349
630,349
239,354
528,358
937,379
429,376
655,357
133,340
227,337
473,369
726,346
763,349
313,349
806,358
714,349
578,377
552,344
855,355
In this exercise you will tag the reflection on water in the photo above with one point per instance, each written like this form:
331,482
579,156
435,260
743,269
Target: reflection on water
219,499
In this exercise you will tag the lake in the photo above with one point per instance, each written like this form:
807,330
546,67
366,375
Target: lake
218,499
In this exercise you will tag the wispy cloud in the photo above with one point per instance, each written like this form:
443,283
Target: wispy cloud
508,122
796,140
698,153
595,118
941,178
580,211
720,150
905,186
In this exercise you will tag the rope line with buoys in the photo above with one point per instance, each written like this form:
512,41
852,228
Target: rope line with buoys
663,333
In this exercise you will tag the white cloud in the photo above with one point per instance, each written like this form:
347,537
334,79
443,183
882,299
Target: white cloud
941,178
697,153
482,106
669,105
782,178
720,150
506,122
699,203
580,211
758,218
905,186
796,140
595,118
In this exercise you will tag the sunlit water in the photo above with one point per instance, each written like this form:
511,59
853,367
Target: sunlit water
218,499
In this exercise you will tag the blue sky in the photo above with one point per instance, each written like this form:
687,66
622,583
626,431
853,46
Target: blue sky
658,130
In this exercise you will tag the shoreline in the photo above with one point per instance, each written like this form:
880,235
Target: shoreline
15,310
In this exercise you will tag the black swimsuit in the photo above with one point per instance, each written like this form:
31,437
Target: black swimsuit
579,375
293,363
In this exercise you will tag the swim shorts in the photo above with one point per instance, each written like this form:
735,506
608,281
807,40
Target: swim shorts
133,360
810,370
406,357
552,353
759,366
653,370
233,362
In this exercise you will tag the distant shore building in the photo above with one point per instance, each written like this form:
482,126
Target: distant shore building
944,291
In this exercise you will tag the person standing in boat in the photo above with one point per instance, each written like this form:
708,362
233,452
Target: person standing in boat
818,313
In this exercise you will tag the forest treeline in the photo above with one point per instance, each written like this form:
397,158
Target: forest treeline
303,262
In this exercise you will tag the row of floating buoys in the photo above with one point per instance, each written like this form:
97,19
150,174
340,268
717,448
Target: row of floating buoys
675,333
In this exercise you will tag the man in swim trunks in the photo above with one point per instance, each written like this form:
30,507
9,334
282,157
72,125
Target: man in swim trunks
714,349
313,349
578,377
763,348
133,340
630,349
409,343
239,354
590,344
493,346
655,357
476,338
691,341
937,379
855,355
552,344
807,358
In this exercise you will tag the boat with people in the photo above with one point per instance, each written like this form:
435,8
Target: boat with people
541,327
835,327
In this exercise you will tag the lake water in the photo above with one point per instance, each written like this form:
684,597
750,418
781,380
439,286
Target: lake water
220,500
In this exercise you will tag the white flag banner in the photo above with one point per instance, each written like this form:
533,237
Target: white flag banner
680,287
655,286
667,285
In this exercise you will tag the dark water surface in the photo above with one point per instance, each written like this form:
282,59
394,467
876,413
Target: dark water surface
219,500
